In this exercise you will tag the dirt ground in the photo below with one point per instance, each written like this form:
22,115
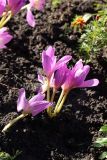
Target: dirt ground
69,136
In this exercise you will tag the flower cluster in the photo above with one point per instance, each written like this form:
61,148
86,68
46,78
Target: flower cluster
56,75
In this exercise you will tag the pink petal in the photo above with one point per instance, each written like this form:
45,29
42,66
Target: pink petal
80,75
38,97
41,78
15,5
39,106
44,84
30,18
2,30
86,70
60,76
62,61
78,65
69,82
90,83
47,64
22,101
5,37
50,52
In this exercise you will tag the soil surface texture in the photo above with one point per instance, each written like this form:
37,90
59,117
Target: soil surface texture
71,134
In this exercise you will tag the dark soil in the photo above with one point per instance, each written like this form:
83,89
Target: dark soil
69,136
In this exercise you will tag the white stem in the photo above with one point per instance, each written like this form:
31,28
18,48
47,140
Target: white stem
12,122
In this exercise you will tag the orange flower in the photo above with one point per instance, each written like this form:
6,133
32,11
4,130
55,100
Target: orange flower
79,21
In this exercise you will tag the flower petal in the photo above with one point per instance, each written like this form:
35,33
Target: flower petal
62,61
15,5
47,64
5,37
44,83
41,78
22,101
38,97
90,83
39,106
30,18
78,65
50,52
60,76
80,75
3,30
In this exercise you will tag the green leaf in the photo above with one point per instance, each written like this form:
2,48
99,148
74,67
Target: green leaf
103,155
103,128
4,156
56,2
100,142
87,16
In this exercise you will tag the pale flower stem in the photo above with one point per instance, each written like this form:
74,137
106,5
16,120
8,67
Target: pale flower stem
48,91
59,100
49,109
48,98
5,20
53,95
61,104
12,122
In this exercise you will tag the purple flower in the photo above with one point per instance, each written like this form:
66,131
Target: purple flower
2,6
5,37
34,106
59,77
15,5
75,77
36,4
49,61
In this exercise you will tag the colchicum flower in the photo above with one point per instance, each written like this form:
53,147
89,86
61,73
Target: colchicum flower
5,37
75,77
34,4
49,63
34,106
